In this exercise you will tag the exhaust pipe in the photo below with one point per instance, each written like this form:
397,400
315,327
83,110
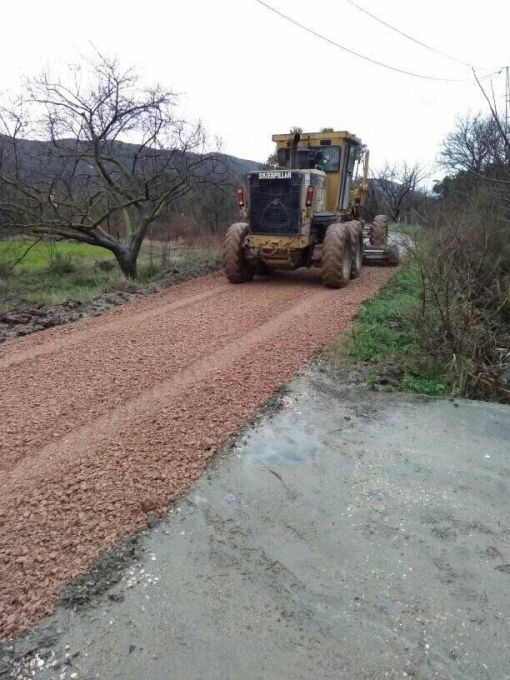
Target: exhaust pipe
293,147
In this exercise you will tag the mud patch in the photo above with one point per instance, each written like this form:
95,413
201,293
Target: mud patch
31,319
105,572
267,409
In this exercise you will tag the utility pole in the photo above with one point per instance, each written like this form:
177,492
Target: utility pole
507,96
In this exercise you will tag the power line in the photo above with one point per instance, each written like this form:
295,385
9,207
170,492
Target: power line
461,89
348,49
410,37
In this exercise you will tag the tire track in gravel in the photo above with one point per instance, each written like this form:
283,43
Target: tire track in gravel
111,417
89,437
94,333
105,375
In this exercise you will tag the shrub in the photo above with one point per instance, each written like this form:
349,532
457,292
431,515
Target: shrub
61,264
464,312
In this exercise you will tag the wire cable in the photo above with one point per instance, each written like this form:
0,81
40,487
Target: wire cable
410,37
353,52
461,89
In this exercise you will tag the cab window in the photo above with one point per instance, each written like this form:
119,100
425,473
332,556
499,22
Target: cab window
328,158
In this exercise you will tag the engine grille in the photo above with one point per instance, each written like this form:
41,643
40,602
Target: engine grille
275,205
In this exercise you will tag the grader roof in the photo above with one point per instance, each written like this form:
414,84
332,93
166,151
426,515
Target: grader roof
310,137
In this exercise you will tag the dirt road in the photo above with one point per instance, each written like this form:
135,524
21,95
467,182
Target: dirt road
106,420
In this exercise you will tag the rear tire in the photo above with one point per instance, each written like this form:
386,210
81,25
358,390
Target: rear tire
393,256
336,256
379,231
356,232
234,262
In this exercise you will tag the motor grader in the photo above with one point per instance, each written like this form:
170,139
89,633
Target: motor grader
307,212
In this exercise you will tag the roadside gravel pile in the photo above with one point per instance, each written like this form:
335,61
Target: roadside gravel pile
28,320
106,420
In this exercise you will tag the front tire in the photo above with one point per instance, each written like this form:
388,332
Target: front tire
234,261
336,256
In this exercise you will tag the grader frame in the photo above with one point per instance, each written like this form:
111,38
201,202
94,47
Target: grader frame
307,212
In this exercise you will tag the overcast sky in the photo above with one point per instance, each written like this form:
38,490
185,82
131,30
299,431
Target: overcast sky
248,73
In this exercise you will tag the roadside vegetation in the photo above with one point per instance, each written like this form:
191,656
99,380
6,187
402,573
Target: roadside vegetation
85,213
441,325
384,345
49,273
68,173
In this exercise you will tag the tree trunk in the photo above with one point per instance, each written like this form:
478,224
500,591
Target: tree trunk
127,253
127,263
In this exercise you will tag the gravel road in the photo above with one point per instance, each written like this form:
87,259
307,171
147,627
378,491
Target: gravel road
104,421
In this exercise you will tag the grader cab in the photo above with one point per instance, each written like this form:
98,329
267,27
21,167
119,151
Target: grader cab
308,212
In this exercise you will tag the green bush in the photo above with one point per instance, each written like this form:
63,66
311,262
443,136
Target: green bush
441,325
84,281
61,263
424,385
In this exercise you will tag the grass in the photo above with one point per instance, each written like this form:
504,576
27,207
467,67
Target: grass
52,273
41,254
383,329
383,342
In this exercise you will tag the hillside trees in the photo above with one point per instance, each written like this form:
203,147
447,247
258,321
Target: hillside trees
115,156
476,155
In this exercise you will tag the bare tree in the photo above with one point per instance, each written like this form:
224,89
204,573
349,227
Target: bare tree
502,126
272,160
476,156
395,185
84,180
475,146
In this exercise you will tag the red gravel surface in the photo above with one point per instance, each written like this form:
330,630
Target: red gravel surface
106,420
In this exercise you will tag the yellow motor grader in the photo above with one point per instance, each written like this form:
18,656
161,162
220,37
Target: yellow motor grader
307,212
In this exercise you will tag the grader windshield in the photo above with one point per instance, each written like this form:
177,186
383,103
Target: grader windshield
325,158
